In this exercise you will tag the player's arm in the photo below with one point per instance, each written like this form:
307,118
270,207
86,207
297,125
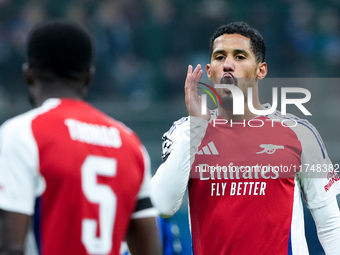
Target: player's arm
317,176
143,237
13,231
180,145
169,183
18,184
320,185
327,221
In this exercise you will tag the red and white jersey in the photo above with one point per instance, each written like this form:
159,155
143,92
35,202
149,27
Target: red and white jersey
82,174
247,180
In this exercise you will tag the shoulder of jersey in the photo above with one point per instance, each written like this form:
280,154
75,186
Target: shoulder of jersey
302,127
175,126
16,129
181,121
19,120
291,118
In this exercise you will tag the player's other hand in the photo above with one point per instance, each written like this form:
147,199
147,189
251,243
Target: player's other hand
193,101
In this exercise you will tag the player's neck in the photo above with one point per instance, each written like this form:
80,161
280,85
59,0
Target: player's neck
57,90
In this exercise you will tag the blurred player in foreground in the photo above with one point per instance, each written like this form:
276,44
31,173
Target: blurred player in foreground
82,174
242,199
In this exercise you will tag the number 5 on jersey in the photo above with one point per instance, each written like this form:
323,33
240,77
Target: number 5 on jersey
107,200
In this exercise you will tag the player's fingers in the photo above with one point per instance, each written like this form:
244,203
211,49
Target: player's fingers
189,72
188,81
187,90
199,75
197,70
188,78
189,69
195,77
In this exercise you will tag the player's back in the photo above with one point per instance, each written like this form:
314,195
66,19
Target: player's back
93,167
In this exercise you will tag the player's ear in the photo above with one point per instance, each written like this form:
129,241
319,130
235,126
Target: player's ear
207,67
262,70
28,74
87,80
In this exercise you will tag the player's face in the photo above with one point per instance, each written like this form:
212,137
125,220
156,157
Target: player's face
233,62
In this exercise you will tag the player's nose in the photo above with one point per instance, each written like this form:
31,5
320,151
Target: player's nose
229,64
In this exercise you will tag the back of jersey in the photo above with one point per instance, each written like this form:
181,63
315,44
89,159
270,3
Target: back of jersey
93,168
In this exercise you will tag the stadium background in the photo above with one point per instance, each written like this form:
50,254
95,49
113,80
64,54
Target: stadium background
144,47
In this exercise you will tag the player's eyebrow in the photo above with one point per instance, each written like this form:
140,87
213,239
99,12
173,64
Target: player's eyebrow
241,51
235,51
219,52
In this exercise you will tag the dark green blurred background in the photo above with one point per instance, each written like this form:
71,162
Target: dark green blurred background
144,46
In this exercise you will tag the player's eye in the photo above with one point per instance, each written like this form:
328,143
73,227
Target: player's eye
220,57
240,57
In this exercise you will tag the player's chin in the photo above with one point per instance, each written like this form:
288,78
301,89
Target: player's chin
225,93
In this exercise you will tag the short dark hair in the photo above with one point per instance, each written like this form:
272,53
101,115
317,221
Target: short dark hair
256,40
61,47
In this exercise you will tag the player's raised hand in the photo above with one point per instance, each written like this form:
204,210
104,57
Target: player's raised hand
193,100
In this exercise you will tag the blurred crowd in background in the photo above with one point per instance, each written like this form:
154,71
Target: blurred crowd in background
143,48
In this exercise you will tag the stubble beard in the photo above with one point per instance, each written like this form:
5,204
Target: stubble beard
227,100
227,103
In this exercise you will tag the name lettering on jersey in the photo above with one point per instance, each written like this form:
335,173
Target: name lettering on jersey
269,148
93,134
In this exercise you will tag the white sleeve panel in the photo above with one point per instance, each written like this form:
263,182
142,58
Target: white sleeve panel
169,183
145,187
318,182
20,181
327,220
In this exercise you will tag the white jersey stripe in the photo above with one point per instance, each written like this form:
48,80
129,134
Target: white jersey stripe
309,126
206,150
213,148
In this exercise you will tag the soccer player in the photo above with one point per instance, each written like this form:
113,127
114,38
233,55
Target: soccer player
245,172
84,175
